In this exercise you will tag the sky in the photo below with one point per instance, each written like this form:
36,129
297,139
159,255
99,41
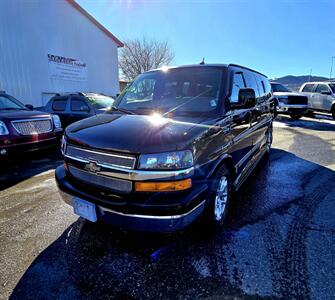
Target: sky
274,37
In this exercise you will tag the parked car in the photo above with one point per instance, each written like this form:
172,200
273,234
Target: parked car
175,146
77,106
321,96
24,129
288,102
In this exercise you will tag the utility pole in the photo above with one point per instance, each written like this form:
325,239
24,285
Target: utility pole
331,68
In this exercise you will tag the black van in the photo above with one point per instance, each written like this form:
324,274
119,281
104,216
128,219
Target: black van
174,146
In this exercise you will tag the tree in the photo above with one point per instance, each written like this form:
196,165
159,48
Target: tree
140,55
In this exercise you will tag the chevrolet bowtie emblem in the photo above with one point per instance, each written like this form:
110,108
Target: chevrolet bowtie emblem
92,167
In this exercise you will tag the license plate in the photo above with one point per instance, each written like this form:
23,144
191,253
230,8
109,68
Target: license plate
84,209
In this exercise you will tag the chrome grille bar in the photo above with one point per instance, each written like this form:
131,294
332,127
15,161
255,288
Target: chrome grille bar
32,126
109,159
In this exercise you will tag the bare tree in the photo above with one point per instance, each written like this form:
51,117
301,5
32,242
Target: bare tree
140,55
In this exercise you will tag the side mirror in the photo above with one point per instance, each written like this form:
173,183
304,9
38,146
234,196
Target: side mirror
29,106
325,92
246,99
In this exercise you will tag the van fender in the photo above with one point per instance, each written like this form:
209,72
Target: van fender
223,159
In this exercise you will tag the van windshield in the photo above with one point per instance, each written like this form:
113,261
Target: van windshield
184,91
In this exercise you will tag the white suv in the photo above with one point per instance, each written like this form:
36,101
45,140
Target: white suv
321,96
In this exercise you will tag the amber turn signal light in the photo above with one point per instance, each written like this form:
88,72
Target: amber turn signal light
168,186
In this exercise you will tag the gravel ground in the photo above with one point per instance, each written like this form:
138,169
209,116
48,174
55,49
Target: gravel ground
279,241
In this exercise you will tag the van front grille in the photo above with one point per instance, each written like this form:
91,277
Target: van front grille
111,159
105,182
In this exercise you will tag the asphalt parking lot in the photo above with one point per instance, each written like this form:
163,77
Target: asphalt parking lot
279,241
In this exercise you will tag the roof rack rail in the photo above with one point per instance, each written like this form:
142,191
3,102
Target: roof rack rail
239,66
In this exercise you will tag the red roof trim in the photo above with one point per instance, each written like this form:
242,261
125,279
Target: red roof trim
95,22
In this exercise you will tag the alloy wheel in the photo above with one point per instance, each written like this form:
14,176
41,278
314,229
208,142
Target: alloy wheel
221,199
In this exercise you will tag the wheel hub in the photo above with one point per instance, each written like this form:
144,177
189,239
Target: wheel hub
221,199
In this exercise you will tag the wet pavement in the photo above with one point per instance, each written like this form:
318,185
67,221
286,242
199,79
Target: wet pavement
278,243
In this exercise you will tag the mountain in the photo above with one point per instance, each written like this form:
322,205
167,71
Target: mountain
295,82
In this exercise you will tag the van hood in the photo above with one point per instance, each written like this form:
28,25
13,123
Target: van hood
137,133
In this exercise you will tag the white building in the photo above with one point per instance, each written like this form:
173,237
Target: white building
54,46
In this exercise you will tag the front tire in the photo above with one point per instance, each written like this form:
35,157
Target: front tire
219,199
296,116
333,111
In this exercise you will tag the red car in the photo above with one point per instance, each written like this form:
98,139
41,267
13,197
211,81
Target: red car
24,129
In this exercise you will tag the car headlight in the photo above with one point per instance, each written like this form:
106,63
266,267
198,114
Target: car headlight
63,145
56,121
3,129
166,161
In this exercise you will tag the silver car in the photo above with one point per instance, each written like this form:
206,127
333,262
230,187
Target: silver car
288,102
321,96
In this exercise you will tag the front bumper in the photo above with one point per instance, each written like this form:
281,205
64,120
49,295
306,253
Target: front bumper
155,212
20,144
291,107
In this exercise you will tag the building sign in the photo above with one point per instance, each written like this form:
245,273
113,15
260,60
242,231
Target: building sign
65,68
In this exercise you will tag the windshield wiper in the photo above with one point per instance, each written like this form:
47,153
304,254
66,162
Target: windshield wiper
125,111
188,101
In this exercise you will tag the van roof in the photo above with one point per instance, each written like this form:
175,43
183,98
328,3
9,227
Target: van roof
209,65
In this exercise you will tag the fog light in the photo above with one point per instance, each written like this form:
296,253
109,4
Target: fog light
169,186
3,151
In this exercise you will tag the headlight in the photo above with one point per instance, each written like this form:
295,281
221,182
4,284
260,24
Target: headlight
3,129
57,121
63,145
166,161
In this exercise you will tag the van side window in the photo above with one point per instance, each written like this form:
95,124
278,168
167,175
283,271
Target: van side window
308,88
267,87
238,83
252,84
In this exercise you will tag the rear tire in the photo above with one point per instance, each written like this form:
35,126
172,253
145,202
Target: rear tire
219,198
295,116
333,111
269,138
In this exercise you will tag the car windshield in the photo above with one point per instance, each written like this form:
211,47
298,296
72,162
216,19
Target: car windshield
192,91
332,86
100,101
10,103
279,88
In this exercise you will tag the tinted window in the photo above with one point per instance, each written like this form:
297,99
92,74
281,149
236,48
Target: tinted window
332,86
252,83
308,88
321,87
187,91
261,88
238,83
59,104
9,103
267,87
79,105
